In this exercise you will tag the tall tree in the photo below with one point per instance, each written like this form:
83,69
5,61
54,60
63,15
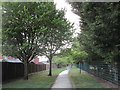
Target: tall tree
26,29
58,33
100,29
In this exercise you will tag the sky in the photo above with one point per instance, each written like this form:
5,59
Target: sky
72,17
42,58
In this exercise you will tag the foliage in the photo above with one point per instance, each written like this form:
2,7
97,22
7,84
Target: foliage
23,27
65,56
33,28
77,52
79,56
99,29
63,60
59,33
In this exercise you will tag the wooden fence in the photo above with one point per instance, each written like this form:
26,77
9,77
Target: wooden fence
15,70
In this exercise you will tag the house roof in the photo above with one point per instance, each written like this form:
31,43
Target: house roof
15,60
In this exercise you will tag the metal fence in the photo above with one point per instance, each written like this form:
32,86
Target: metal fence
15,70
109,72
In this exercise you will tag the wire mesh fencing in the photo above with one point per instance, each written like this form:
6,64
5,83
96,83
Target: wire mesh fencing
109,72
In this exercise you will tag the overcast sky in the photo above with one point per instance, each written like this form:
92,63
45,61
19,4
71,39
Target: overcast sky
72,17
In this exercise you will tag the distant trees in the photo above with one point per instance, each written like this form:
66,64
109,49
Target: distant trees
77,52
60,61
31,29
100,34
64,57
79,57
73,55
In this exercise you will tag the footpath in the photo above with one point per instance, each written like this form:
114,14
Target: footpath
62,80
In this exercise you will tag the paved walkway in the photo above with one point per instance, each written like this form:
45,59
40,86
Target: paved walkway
62,80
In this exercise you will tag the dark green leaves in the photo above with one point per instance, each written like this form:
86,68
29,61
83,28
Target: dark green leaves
99,29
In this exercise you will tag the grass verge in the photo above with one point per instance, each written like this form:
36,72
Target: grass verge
82,80
38,80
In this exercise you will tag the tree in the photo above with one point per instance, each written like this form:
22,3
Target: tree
100,29
27,30
62,60
75,54
58,33
79,57
67,55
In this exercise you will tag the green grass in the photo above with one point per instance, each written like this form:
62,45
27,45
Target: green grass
38,80
82,80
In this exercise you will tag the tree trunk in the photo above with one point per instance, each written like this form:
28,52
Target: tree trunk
25,70
80,67
50,68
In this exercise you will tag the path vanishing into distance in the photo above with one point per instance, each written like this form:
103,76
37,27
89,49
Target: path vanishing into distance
62,80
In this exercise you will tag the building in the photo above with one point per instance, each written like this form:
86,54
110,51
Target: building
35,60
10,59
16,60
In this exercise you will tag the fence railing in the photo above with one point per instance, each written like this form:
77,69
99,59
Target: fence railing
15,70
109,72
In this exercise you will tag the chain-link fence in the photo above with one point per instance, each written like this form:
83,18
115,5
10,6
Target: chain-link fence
109,72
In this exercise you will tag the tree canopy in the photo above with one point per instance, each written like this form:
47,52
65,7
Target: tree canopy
33,28
100,34
23,28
